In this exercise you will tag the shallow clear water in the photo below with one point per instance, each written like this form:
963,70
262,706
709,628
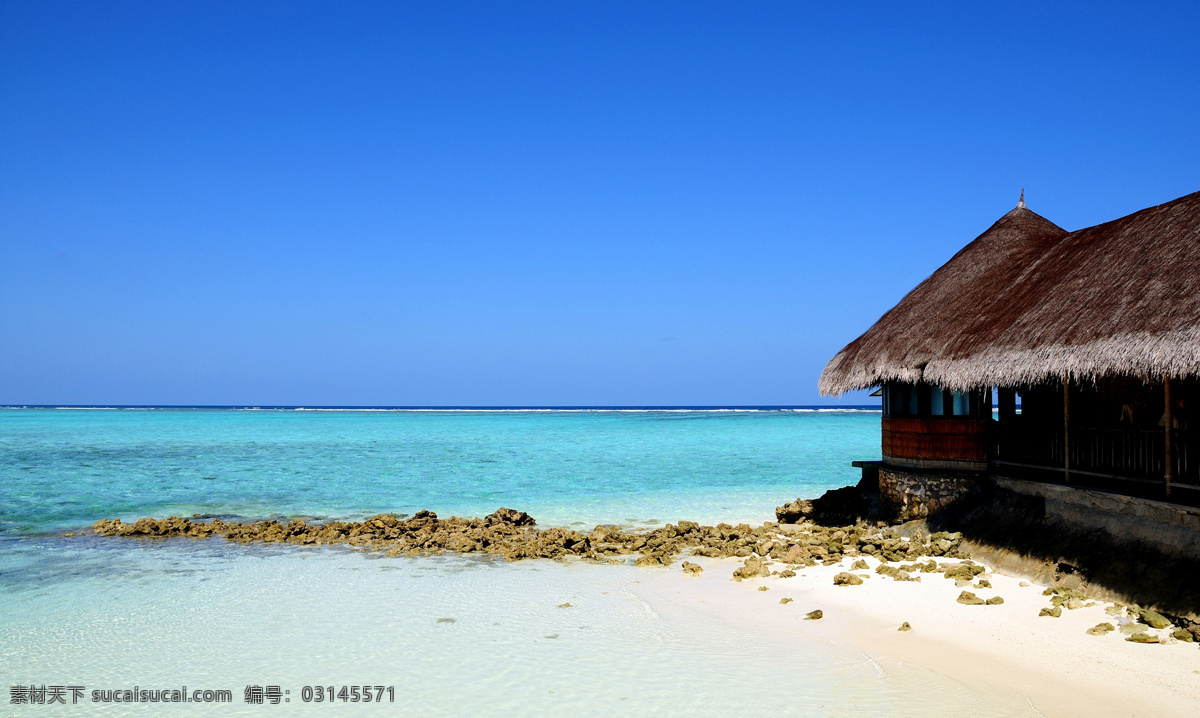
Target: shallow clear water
118,613
64,469
112,613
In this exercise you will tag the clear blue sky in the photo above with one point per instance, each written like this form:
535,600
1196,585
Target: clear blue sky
441,203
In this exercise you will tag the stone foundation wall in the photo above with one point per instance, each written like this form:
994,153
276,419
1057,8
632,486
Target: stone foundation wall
911,495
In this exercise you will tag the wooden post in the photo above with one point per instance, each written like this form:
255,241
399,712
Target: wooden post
1169,422
1066,429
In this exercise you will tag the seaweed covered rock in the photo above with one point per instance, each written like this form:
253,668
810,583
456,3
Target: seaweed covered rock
1154,619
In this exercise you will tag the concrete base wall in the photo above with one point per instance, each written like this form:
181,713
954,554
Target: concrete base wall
1172,529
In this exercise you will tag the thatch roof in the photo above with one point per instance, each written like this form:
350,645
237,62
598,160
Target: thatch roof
1027,301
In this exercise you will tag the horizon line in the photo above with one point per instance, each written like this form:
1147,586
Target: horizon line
464,407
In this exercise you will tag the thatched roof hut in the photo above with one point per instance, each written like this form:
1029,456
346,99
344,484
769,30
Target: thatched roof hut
1028,301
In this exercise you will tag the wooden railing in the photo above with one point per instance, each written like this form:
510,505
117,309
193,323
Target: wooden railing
1122,459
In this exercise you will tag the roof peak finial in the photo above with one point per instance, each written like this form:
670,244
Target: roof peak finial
1021,202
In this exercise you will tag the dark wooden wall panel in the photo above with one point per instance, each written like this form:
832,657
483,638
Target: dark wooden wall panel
936,439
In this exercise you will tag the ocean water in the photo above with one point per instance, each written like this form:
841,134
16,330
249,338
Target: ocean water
62,469
449,635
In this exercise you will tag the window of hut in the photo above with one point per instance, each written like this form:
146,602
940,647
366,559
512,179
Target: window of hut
937,401
901,399
962,404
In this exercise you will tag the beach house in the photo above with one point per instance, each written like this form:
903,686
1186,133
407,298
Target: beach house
1038,356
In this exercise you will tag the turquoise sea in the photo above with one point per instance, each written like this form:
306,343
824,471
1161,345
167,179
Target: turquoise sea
61,469
447,635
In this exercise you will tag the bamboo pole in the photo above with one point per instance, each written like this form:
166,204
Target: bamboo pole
1066,429
1169,422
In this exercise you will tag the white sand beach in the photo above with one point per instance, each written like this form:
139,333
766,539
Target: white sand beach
995,649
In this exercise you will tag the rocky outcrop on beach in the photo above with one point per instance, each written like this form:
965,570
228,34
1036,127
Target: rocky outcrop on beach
514,535
836,507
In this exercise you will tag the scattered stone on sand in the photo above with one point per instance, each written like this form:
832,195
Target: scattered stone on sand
753,567
965,571
1182,634
1072,598
846,579
904,627
1131,628
785,601
1115,610
969,599
983,583
896,574
1051,612
1101,629
552,635
995,601
692,569
564,605
1024,584
787,573
763,588
814,615
859,565
446,620
1142,638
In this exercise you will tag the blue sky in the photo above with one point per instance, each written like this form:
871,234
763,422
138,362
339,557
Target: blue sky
439,203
